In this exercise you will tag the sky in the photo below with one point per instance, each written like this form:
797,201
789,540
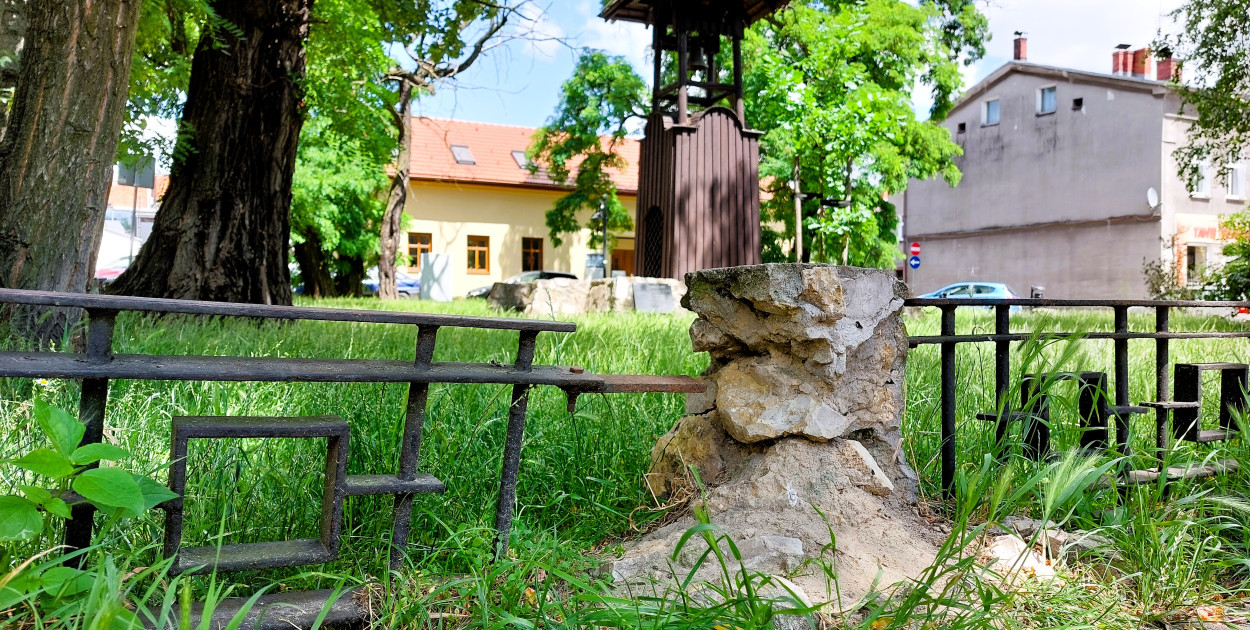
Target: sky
519,84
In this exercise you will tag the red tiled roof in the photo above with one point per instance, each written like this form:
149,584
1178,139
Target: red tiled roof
492,147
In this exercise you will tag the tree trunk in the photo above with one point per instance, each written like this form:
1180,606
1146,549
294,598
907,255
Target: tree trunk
349,283
392,221
312,267
57,152
12,32
223,229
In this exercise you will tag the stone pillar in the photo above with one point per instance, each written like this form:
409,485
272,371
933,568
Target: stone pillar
801,418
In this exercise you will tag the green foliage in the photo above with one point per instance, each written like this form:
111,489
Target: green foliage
597,101
66,466
831,85
1211,49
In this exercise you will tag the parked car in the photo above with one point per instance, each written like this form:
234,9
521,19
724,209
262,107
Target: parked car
525,276
979,290
109,272
407,285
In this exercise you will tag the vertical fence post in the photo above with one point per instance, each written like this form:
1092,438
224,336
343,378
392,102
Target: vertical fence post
948,403
1002,375
410,447
91,404
1121,380
512,446
1161,381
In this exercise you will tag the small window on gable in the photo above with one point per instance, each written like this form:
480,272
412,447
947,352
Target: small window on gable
462,154
1078,104
962,127
990,112
1046,100
520,159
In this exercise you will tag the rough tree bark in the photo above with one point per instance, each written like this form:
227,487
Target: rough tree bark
56,156
392,221
311,259
223,229
12,31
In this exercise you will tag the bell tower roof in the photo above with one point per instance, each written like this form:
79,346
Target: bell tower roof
641,10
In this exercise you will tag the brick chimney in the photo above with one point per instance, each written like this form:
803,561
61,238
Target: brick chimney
1141,63
1120,61
1021,47
1167,69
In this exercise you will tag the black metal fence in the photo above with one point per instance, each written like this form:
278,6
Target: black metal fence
1175,419
97,365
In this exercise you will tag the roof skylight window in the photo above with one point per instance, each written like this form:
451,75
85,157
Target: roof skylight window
462,154
521,160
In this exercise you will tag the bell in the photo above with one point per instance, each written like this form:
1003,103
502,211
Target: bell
697,59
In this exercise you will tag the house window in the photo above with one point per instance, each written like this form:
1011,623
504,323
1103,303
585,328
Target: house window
1237,182
962,127
990,113
1046,100
1078,104
462,154
531,254
479,254
418,243
1202,184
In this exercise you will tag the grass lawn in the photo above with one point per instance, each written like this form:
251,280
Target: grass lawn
581,477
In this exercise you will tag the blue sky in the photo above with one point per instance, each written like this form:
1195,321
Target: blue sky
519,83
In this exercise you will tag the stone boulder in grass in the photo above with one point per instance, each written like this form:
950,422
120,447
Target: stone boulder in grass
797,436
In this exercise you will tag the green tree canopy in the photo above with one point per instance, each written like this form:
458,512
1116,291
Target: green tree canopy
596,102
831,86
1213,51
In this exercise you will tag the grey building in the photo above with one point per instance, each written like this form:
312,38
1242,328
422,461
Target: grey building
1069,183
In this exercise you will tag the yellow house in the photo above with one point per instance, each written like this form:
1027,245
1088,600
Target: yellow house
471,196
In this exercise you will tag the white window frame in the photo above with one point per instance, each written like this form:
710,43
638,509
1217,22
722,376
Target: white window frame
985,112
1237,181
1203,189
1054,101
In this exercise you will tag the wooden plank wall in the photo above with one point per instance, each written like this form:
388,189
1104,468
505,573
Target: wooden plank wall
705,179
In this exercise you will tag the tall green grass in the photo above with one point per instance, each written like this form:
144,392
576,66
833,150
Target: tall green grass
581,477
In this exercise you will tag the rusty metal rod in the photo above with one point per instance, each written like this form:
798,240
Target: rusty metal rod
948,404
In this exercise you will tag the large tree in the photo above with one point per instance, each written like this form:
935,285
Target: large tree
599,99
1212,50
223,228
340,174
439,43
832,86
57,148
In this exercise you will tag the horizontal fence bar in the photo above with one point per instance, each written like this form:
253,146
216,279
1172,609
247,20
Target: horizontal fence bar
267,311
981,338
272,369
1044,302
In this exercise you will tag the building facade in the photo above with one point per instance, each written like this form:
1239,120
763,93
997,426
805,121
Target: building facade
1069,185
471,196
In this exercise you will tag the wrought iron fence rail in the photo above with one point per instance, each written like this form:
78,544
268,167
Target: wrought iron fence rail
1002,338
265,311
98,365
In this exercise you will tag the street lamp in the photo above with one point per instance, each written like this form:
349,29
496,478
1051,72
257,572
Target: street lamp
602,217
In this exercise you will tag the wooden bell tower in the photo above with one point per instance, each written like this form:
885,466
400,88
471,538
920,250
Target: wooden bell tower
698,181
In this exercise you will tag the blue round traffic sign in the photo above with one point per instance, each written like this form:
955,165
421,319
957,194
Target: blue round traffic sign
914,262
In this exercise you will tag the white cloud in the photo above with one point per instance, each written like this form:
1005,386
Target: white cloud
540,34
626,39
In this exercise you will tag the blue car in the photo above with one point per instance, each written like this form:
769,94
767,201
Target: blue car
407,285
978,290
